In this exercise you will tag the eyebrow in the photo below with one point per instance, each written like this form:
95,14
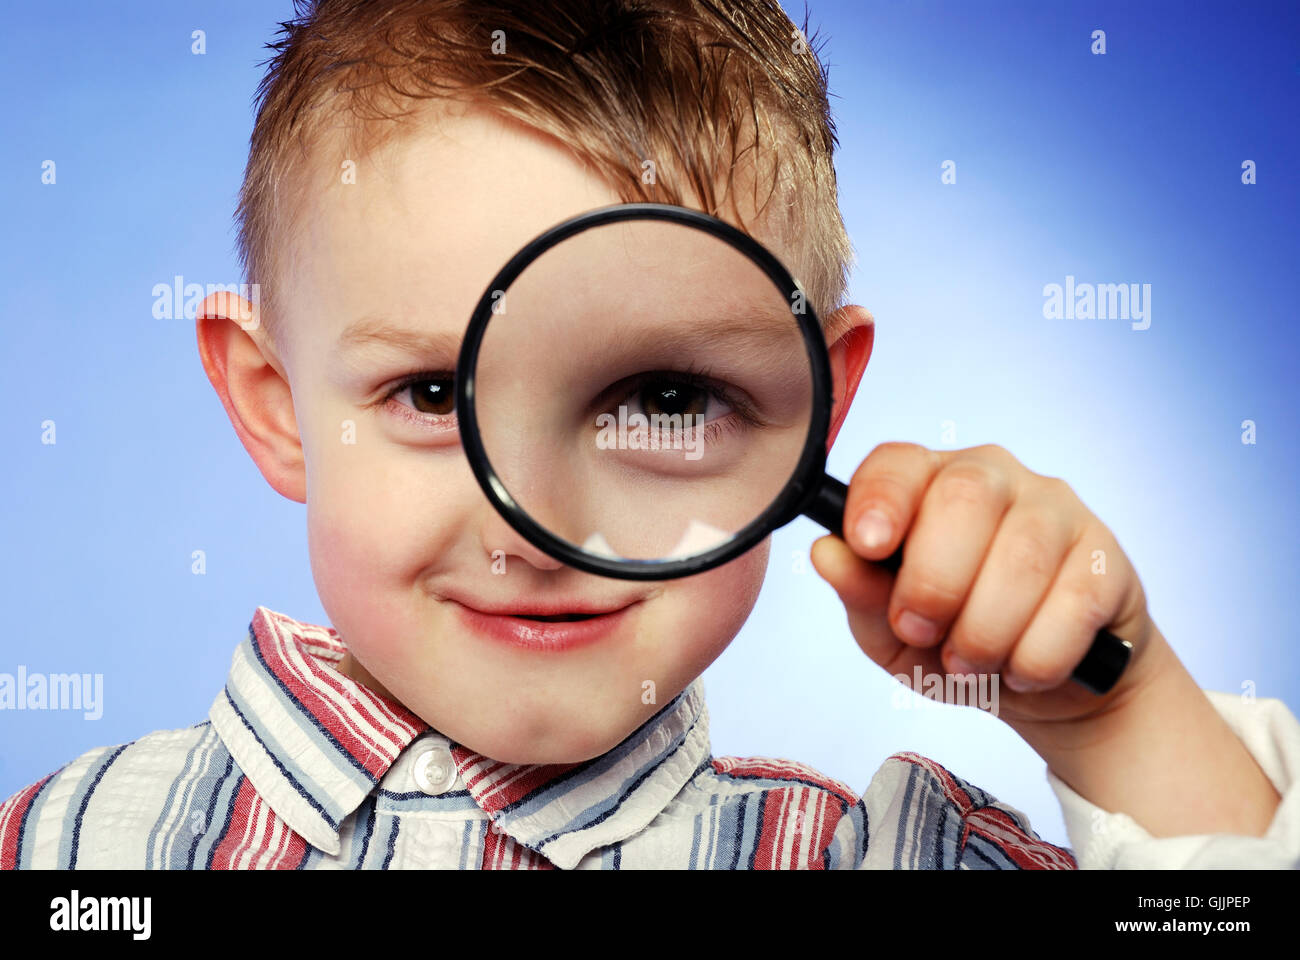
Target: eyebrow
373,331
757,328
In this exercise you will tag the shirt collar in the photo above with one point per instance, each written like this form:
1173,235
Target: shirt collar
315,743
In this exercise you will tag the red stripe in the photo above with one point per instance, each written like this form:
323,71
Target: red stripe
951,788
1027,852
790,770
823,831
765,851
327,638
375,758
493,844
11,822
381,712
295,850
223,857
498,785
261,849
283,854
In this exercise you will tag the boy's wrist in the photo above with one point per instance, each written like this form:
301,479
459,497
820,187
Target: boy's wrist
1162,754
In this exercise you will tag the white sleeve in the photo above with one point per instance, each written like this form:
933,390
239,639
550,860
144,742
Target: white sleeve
1109,841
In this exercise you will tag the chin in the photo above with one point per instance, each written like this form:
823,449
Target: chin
554,739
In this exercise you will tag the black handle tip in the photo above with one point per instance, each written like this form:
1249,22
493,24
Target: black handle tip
1106,659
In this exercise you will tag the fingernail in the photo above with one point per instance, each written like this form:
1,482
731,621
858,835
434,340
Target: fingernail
874,529
959,667
917,629
1019,684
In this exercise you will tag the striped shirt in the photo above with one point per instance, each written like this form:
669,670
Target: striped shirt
300,767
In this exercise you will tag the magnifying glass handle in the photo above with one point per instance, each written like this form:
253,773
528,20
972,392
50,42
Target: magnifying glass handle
1098,671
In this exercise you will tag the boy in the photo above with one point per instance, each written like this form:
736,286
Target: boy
402,152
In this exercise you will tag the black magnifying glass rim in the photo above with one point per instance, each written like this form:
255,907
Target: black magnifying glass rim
807,475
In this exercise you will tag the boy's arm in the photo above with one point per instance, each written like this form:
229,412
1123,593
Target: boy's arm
1007,572
1218,786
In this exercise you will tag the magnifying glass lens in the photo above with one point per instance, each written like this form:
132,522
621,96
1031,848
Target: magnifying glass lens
643,391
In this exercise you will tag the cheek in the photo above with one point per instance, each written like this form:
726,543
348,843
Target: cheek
707,611
375,521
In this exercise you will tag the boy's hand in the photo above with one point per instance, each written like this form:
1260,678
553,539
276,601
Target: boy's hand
1004,571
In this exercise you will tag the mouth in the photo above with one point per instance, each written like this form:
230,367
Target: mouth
551,630
556,617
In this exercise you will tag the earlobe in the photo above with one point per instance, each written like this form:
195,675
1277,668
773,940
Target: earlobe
849,356
242,368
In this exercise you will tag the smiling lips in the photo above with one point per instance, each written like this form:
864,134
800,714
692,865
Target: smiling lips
545,627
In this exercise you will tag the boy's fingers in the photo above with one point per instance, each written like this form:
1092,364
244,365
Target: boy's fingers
884,495
864,589
1081,601
946,546
1027,551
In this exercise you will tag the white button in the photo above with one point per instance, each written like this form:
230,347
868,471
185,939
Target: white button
435,771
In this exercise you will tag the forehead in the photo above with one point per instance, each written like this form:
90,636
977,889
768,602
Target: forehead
433,213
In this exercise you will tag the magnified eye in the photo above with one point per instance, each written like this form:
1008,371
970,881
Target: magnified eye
667,397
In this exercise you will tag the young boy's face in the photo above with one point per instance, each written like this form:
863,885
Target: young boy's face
401,537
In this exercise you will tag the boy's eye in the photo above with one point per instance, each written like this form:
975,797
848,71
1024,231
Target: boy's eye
433,396
667,397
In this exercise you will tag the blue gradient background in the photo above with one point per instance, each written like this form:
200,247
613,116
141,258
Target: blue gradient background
1123,168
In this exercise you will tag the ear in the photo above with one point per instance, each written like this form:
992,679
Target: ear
242,365
849,355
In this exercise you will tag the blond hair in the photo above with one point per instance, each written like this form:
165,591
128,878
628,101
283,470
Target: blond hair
690,86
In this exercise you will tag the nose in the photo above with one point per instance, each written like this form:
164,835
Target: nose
501,541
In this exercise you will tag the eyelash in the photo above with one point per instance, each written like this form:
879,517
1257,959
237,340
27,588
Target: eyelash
700,380
742,413
410,414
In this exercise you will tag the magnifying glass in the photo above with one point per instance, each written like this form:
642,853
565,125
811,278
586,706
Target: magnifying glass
644,392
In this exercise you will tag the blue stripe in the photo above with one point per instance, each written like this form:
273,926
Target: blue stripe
223,784
293,781
866,828
85,801
231,797
464,844
328,743
988,856
366,834
740,832
590,769
392,842
901,839
759,814
24,859
169,801
610,808
939,833
922,821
